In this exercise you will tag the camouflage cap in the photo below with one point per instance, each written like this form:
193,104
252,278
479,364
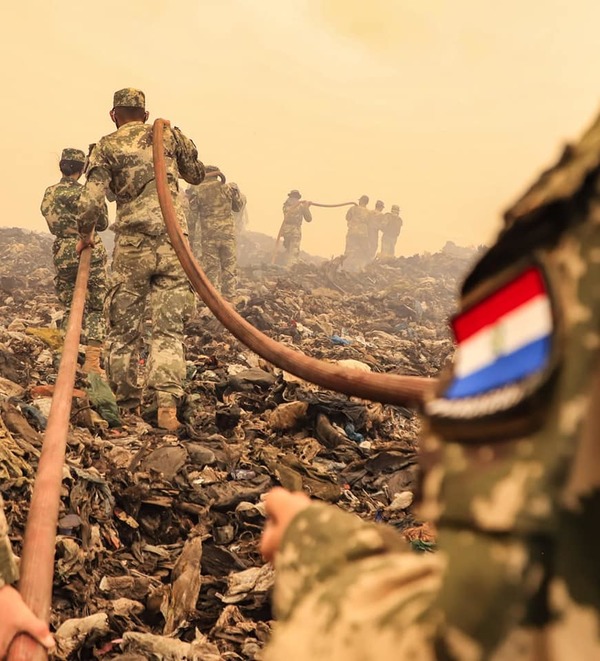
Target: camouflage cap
72,154
395,207
129,97
294,193
379,204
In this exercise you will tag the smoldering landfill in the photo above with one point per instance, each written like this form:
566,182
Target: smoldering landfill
157,548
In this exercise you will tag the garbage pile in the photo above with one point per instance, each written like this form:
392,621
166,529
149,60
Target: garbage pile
157,548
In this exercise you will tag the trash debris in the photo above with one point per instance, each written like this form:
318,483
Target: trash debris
158,534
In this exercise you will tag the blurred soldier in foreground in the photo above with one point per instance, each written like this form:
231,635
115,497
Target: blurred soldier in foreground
357,237
375,224
295,210
212,204
145,268
511,460
60,209
391,226
15,616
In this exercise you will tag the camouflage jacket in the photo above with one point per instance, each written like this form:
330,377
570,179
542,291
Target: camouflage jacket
295,211
358,219
122,164
213,203
60,208
511,462
8,567
376,219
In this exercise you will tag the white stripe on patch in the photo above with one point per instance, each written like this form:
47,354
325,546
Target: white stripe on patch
516,329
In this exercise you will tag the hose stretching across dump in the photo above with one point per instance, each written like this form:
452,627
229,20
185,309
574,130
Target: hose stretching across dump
385,388
37,560
310,204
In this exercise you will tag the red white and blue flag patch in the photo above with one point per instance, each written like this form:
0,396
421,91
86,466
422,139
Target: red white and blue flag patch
503,339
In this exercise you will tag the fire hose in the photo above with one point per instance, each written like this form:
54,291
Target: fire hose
310,204
385,388
37,559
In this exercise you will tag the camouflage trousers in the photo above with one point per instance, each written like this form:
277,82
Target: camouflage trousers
357,252
219,261
66,263
388,245
350,591
147,281
292,237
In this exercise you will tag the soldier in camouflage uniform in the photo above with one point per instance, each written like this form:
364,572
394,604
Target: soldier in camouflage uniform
511,459
15,617
374,226
357,252
213,203
60,208
295,210
391,226
145,268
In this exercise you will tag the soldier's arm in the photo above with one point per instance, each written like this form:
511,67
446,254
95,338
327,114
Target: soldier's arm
237,203
102,223
92,204
320,545
46,209
190,168
306,214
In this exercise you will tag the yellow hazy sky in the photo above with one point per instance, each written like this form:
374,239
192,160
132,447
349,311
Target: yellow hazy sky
445,107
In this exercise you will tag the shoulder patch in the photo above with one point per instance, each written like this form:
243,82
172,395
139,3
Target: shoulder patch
506,353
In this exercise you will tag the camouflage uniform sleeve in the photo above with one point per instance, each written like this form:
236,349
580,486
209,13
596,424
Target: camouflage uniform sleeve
8,567
92,205
306,214
102,223
322,542
190,168
237,204
45,207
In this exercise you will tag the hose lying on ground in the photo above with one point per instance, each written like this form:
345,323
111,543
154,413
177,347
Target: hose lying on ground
37,559
385,388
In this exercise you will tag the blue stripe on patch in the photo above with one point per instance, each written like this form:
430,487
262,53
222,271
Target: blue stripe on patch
508,369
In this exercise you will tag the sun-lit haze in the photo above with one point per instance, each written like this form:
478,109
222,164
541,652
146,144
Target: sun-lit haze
447,109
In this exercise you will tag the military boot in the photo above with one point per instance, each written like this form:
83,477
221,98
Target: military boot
167,418
92,360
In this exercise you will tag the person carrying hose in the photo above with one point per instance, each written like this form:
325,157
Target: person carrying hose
60,208
145,269
295,210
15,616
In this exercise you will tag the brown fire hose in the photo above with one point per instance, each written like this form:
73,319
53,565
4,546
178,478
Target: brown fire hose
37,559
385,388
310,204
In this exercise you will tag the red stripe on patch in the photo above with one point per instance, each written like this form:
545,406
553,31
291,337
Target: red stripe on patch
521,290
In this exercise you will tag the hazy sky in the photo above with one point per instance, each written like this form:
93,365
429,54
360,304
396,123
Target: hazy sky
445,107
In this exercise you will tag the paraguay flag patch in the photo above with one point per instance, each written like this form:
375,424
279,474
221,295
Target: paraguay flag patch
504,349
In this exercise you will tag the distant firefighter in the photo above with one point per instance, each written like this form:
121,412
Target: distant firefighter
214,203
392,224
295,210
60,209
357,252
374,227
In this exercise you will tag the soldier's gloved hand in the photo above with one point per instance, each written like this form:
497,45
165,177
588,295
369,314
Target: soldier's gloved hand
16,617
85,241
282,506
